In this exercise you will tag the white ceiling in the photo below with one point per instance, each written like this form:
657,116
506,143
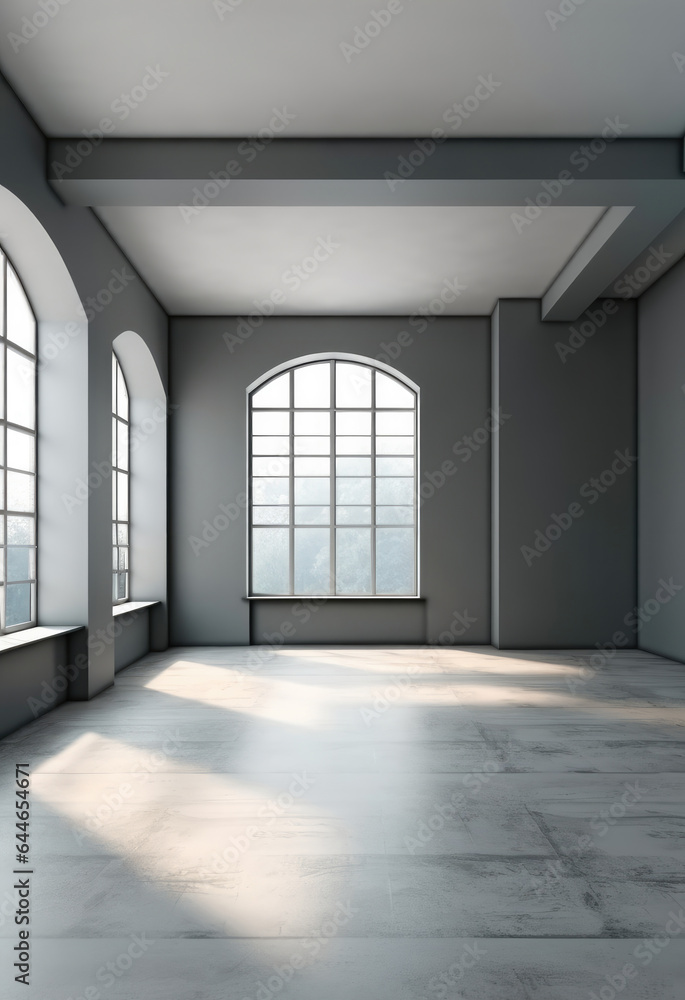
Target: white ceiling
390,261
609,57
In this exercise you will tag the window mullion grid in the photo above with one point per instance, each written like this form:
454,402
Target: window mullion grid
332,586
373,482
3,308
115,485
291,489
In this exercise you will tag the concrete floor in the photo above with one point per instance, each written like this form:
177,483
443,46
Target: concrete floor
328,824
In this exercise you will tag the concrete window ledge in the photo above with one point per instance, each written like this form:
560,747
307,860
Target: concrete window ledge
131,606
29,636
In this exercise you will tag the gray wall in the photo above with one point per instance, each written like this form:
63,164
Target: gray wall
450,361
661,380
566,419
132,638
54,246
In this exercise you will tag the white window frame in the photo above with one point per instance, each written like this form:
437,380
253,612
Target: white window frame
6,425
291,367
120,552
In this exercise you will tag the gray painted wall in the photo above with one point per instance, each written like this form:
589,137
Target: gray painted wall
566,419
27,681
661,380
74,546
450,361
133,641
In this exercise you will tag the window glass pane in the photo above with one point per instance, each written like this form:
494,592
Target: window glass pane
270,491
21,390
353,491
353,560
353,445
17,604
394,515
270,554
395,560
21,451
122,534
122,445
122,395
20,531
271,515
312,423
269,422
394,466
353,466
275,394
313,386
21,326
312,466
272,466
123,558
312,491
352,385
312,445
353,515
2,374
312,561
353,423
21,491
395,445
122,496
122,586
393,491
270,445
391,393
20,563
312,515
395,422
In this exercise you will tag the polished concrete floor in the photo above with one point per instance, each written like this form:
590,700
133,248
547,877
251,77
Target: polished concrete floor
327,824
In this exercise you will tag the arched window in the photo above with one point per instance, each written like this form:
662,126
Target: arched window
17,454
332,487
120,484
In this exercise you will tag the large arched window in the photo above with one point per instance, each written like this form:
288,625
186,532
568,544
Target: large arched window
17,454
332,486
120,484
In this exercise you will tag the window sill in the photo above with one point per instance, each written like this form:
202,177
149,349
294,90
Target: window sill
132,606
29,636
334,597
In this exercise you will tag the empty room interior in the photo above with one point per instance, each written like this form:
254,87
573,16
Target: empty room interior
342,499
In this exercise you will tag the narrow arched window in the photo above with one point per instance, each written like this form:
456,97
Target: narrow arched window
17,453
120,484
332,486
